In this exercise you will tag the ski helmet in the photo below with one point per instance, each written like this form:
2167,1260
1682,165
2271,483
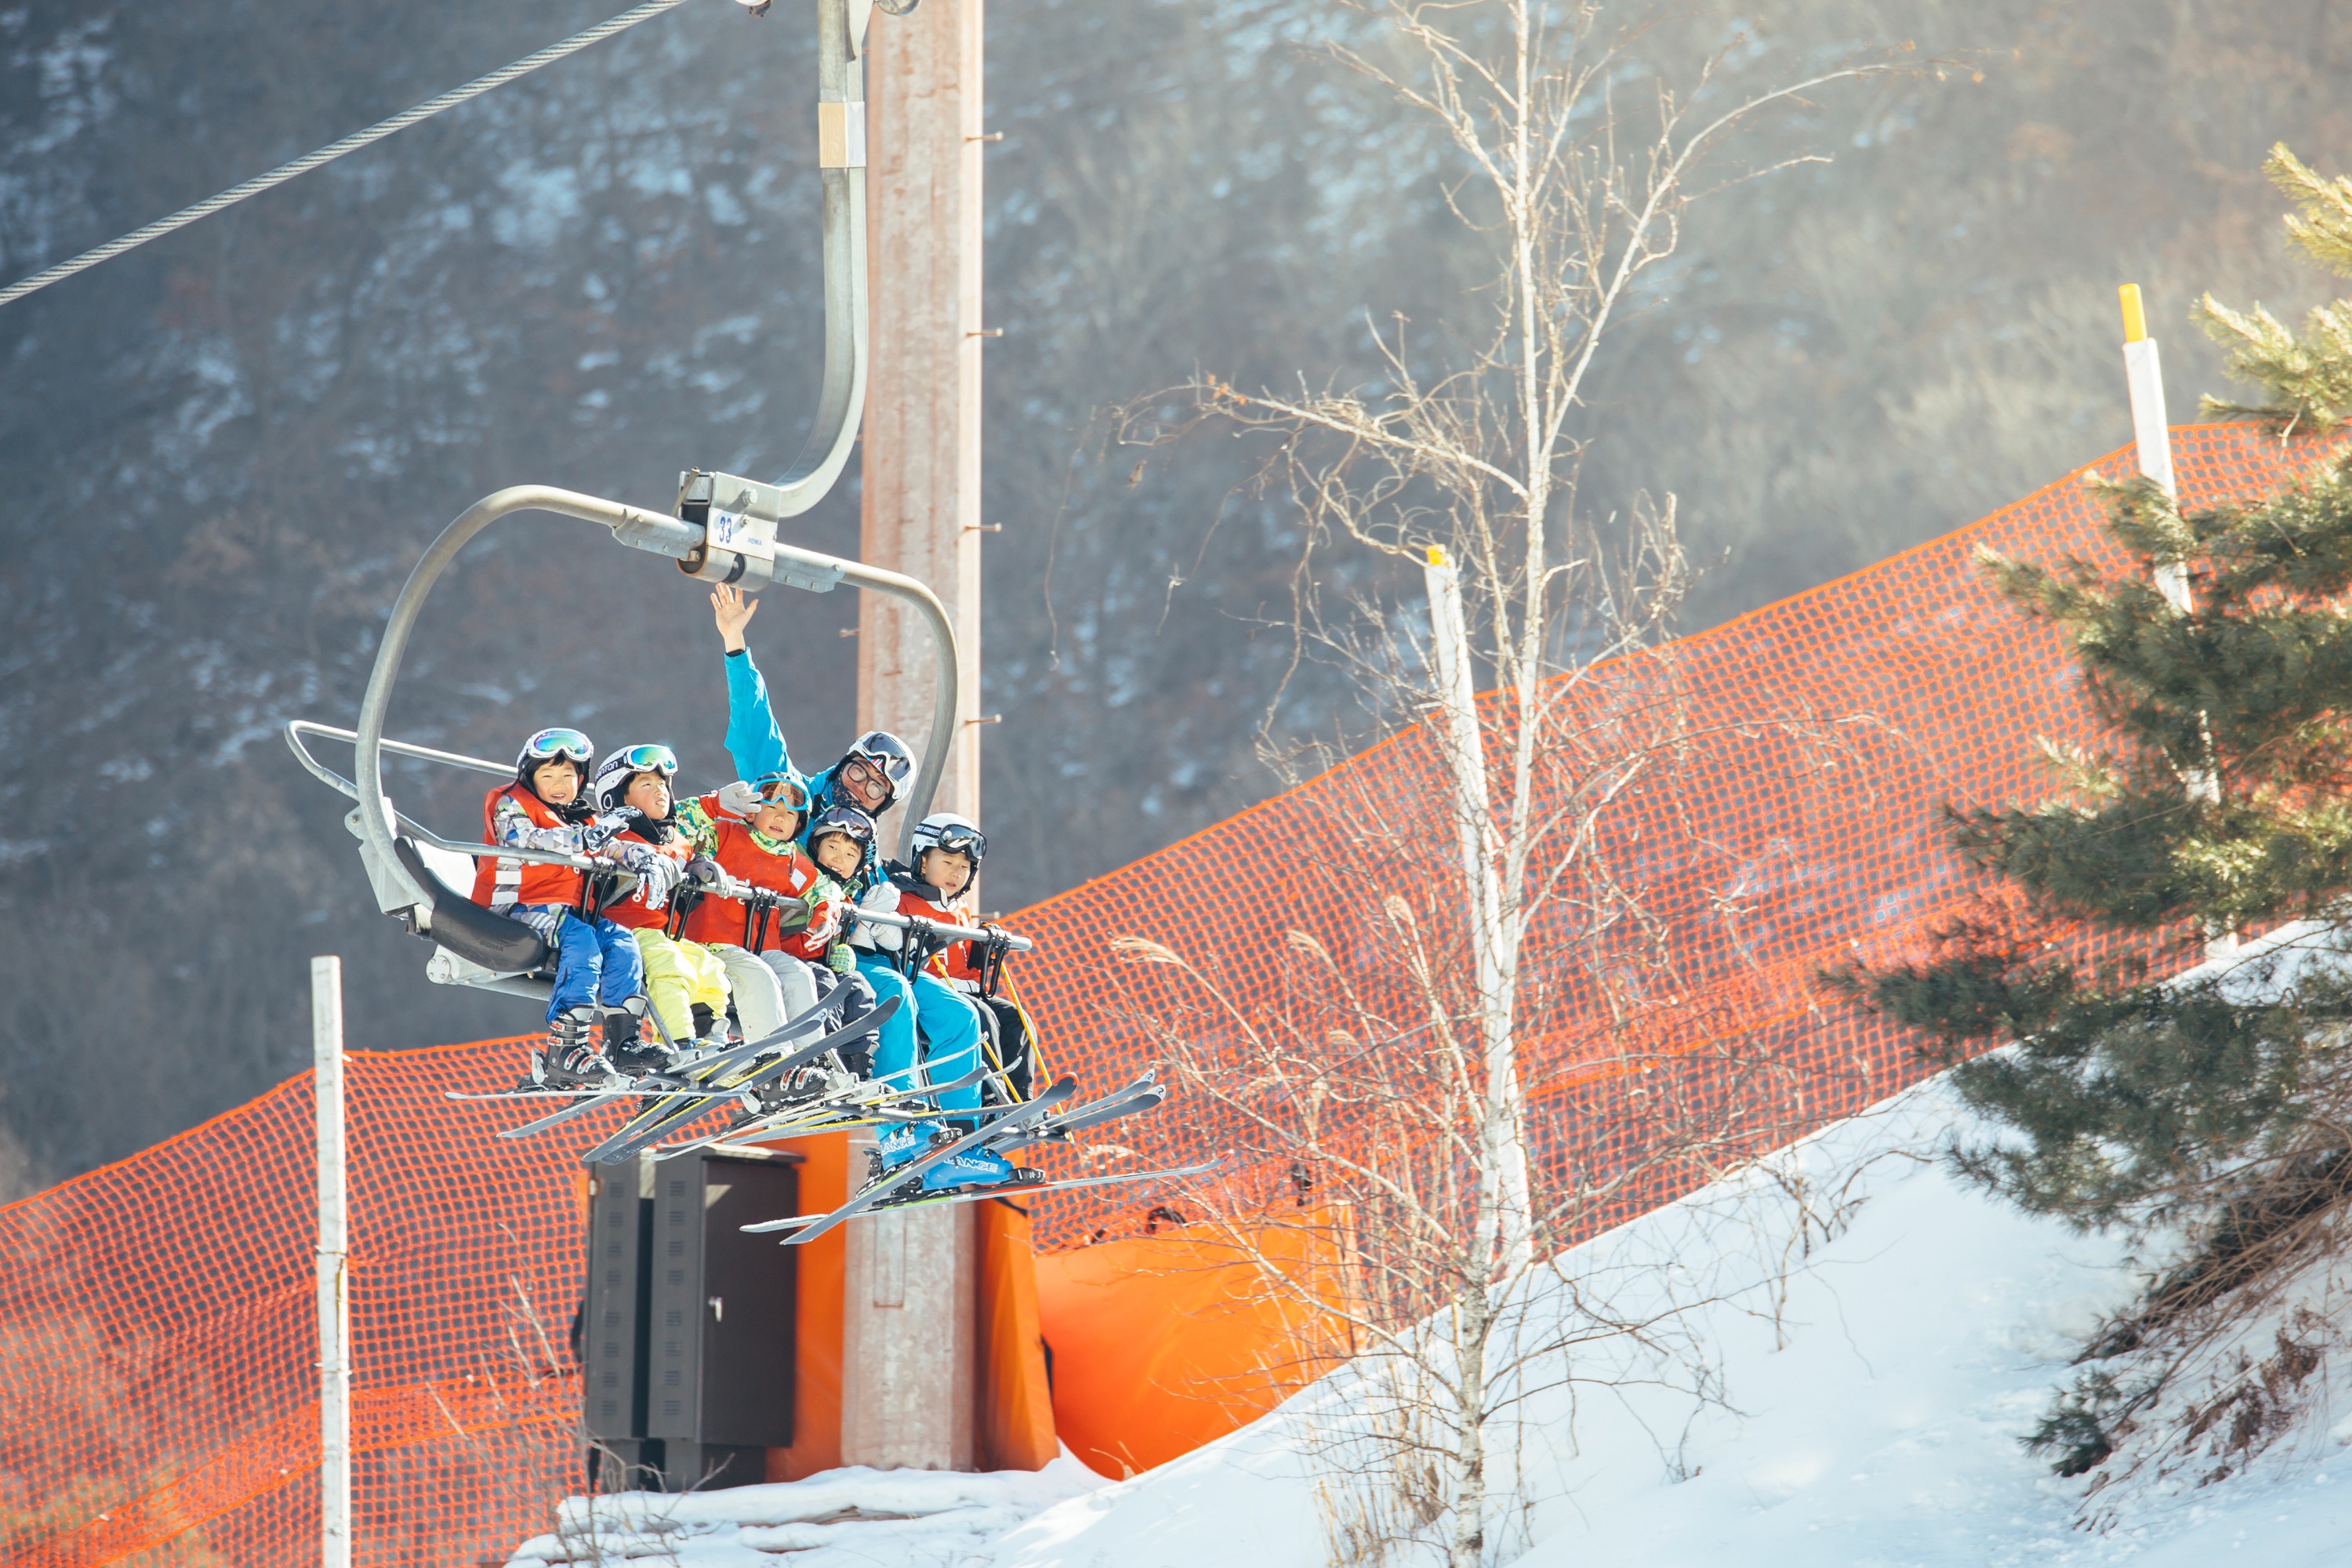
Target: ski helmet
951,830
886,754
559,744
846,819
613,778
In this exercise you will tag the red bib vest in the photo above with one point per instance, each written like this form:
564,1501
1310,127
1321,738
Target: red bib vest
918,899
635,911
740,856
497,882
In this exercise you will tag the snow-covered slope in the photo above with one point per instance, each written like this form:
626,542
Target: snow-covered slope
1863,1407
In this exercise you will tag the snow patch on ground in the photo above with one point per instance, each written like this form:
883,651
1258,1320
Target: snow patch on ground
851,1518
1850,1395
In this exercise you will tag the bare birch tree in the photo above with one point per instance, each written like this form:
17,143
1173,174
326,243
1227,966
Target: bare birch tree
1579,157
1398,1107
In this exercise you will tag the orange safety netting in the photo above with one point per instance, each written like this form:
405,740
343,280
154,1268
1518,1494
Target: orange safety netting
1784,815
157,1343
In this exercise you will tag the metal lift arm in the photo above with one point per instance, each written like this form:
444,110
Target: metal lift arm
661,536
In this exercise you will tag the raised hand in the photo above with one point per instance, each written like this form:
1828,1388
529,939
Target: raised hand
732,609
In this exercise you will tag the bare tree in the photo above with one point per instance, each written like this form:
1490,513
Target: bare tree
1581,182
1395,1101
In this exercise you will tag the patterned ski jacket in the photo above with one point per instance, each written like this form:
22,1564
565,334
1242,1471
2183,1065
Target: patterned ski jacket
749,855
515,818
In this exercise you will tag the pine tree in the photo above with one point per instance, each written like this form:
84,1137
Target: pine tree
2218,1103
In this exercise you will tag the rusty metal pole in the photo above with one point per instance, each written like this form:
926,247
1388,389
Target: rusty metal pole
909,1338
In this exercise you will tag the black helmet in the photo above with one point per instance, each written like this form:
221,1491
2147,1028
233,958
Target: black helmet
845,819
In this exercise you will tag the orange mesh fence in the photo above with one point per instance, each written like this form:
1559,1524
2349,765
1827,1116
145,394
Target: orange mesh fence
158,1391
1773,798
160,1348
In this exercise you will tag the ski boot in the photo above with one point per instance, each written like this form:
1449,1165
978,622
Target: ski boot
898,1143
976,1168
625,1046
571,1059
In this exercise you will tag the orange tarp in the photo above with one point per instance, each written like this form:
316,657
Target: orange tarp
1017,1410
1161,1344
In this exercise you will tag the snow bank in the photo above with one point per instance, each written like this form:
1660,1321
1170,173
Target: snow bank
1867,1412
851,1518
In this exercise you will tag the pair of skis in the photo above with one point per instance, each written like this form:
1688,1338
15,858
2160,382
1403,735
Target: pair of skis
1019,1127
734,1074
862,1102
693,1081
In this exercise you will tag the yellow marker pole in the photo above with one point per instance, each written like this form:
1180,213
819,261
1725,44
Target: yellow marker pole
2144,374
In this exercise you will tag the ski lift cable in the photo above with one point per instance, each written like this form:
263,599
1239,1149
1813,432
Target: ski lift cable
328,155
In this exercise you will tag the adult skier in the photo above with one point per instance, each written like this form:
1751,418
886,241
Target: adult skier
868,776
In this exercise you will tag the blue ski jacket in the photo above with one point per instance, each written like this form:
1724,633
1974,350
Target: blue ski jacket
755,744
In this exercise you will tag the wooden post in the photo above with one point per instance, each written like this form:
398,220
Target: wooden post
333,1267
908,1342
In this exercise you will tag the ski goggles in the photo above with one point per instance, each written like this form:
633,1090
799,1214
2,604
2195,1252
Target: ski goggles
779,789
569,744
963,840
649,759
857,824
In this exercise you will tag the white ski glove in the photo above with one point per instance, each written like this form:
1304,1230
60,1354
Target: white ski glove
884,897
737,800
825,922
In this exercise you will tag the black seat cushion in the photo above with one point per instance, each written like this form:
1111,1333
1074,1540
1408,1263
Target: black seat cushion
467,928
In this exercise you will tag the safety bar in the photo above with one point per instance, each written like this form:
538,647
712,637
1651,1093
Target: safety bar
728,887
947,929
298,728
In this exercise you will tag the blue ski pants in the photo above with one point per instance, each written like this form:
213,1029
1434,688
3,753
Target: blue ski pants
594,961
951,1033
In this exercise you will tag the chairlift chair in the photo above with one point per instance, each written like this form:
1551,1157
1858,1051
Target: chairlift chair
723,529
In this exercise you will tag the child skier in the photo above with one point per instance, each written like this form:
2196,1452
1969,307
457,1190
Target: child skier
841,846
686,983
948,847
596,962
750,831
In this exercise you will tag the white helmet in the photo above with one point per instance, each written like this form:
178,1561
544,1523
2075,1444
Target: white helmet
951,830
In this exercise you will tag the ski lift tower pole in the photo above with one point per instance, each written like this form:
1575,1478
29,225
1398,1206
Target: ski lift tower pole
910,1355
2152,442
334,1268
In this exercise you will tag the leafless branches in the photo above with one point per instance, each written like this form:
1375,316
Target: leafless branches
1383,1100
